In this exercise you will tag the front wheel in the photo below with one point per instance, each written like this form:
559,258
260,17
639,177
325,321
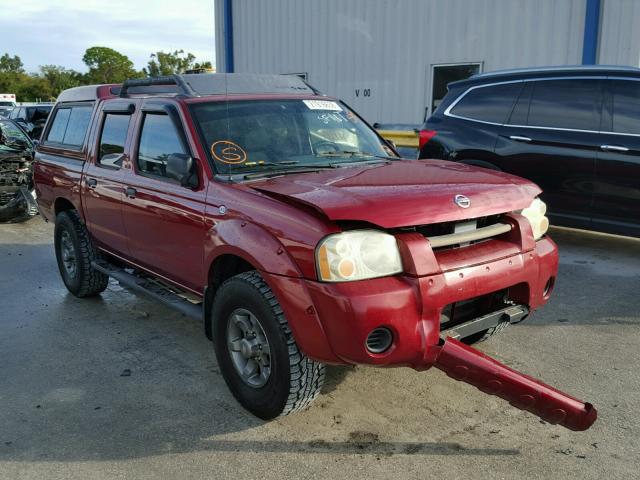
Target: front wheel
257,354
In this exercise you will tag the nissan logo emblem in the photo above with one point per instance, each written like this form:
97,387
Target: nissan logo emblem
462,201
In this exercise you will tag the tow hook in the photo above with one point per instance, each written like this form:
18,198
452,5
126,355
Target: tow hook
466,364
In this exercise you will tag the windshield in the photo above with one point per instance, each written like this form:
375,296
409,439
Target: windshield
256,135
11,135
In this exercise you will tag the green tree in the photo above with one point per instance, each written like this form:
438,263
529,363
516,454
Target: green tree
33,88
60,78
10,64
108,66
202,66
168,63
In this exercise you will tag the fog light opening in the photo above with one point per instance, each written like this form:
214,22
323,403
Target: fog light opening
548,288
379,340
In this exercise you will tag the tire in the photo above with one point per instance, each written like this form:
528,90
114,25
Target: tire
74,253
486,334
245,310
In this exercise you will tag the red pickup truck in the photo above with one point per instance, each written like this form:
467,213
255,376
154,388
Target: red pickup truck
280,218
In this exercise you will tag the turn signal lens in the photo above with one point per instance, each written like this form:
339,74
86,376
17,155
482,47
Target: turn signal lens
535,213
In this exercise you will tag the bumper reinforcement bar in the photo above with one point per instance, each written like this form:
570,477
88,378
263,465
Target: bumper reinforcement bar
511,314
466,364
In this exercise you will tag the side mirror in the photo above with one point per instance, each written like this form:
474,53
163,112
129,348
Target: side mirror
181,167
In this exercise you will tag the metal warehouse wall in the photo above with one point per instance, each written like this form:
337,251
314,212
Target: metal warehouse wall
620,33
389,46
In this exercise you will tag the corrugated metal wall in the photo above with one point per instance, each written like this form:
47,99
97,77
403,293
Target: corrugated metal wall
620,33
388,47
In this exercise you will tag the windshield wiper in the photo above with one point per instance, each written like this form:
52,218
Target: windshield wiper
284,171
355,153
265,164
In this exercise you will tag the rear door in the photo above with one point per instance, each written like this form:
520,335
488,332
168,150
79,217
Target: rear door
164,220
616,205
103,176
552,139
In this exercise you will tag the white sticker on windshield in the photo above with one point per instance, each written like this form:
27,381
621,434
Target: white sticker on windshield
322,105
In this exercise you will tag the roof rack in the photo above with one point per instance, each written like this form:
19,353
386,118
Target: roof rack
199,84
176,80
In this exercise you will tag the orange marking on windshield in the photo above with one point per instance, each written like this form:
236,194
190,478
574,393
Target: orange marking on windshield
228,152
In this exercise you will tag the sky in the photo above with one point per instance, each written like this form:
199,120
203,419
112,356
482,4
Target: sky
45,32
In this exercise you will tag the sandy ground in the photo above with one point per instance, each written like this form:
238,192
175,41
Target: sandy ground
66,410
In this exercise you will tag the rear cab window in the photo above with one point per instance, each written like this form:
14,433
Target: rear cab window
491,103
69,126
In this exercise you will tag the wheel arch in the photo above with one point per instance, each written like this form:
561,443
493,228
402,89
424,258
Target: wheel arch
63,204
234,246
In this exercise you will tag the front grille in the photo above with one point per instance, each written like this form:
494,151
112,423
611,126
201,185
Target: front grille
447,228
462,233
466,310
7,194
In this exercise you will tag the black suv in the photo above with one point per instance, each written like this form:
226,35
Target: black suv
575,131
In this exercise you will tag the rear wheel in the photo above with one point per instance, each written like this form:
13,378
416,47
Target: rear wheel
258,356
74,253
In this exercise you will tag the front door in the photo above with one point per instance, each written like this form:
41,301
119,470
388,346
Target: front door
616,204
163,219
551,138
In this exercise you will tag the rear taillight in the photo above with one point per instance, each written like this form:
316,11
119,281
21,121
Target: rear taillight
425,136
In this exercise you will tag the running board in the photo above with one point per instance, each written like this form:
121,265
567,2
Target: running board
153,289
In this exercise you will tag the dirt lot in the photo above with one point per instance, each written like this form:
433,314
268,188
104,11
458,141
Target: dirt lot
119,387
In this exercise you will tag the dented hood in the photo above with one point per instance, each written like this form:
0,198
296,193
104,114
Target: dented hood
403,193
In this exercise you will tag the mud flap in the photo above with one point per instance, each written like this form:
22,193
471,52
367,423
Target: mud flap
466,364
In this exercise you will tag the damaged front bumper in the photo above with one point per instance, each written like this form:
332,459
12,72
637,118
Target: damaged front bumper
466,364
20,207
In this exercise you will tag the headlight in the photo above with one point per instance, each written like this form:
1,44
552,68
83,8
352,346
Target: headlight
356,255
535,214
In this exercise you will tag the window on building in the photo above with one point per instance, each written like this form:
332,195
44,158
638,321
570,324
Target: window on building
442,75
112,140
573,104
158,140
488,104
626,106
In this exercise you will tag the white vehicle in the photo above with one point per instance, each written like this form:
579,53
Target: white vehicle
7,99
7,103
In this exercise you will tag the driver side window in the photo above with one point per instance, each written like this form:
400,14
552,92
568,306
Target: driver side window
158,140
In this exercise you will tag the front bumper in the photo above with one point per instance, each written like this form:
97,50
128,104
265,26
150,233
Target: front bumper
411,306
21,207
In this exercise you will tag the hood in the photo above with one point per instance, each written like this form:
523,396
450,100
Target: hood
403,193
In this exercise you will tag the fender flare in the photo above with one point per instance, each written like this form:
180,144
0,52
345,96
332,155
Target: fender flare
262,250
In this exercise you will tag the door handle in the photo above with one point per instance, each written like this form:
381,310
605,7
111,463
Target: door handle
519,138
92,182
130,192
613,148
